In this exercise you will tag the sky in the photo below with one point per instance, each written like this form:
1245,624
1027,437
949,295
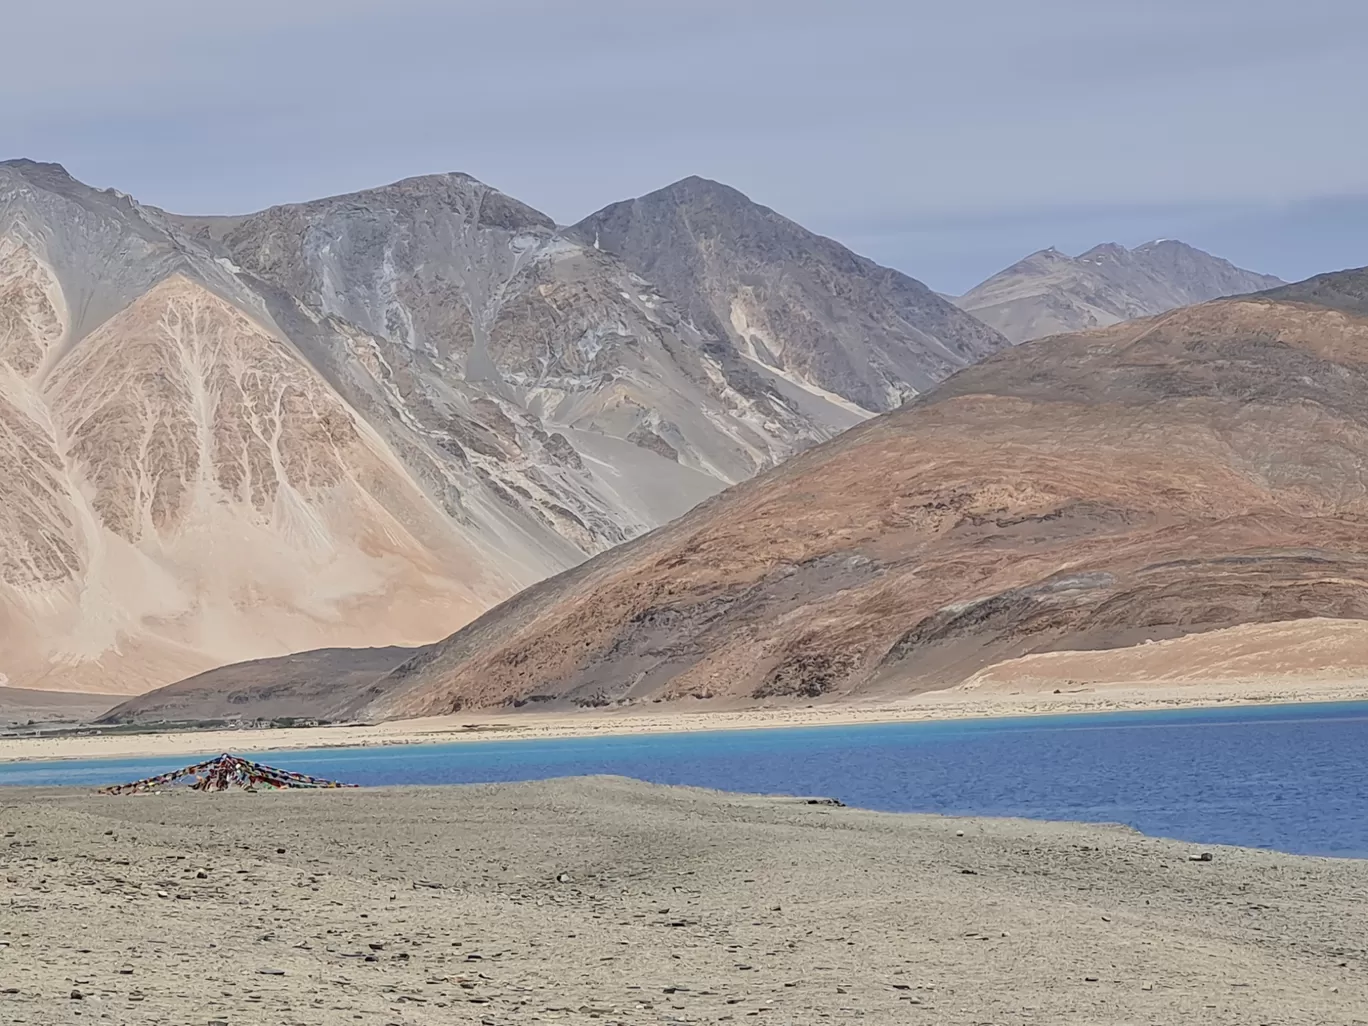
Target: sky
947,138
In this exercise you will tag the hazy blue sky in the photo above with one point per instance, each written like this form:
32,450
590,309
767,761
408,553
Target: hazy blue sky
946,138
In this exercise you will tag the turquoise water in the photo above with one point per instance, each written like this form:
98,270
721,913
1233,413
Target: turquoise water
1290,777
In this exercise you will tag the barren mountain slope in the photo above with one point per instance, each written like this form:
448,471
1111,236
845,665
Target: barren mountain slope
1049,292
180,487
1154,480
788,302
531,384
317,684
360,420
200,465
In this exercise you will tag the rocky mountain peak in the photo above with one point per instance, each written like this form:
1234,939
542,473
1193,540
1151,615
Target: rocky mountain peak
1041,258
1050,292
1104,251
36,171
696,188
795,308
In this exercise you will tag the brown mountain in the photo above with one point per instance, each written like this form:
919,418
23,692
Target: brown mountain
1170,482
1049,292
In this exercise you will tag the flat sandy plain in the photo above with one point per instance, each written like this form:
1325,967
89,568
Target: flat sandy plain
603,900
1015,698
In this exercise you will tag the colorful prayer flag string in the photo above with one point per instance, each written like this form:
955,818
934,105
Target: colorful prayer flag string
222,773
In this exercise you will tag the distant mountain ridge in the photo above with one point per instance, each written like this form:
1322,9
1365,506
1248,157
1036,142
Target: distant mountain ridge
360,420
1049,292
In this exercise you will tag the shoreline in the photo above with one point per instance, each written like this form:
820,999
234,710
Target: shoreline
953,704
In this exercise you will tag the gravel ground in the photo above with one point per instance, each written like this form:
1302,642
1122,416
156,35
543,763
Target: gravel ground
609,901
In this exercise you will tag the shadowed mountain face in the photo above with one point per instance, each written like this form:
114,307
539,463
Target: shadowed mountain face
787,302
319,684
1049,292
1164,479
360,420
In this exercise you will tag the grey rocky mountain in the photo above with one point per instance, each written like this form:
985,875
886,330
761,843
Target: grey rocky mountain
356,421
786,303
1049,292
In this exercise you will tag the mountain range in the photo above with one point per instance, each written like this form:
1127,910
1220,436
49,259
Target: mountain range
1171,499
366,419
1049,293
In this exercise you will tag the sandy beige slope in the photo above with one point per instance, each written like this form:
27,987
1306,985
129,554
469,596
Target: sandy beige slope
182,487
206,494
1151,481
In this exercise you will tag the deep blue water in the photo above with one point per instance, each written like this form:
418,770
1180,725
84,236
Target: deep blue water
1291,777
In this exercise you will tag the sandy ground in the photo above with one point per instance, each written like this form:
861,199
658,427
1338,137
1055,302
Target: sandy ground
1315,648
975,700
610,901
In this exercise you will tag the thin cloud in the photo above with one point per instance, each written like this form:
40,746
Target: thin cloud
835,114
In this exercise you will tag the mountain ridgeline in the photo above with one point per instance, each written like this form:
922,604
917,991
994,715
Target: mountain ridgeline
364,420
788,302
1048,292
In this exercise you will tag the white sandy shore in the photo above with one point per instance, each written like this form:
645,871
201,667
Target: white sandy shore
957,703
607,902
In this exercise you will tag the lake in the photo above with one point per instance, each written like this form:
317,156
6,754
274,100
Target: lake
1289,777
